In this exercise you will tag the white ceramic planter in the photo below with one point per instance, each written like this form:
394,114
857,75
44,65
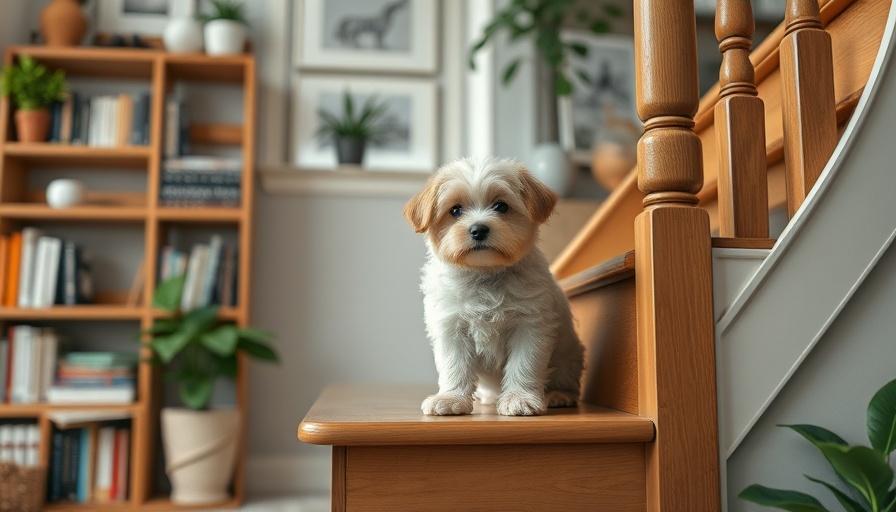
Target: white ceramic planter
183,35
200,451
63,193
224,37
550,164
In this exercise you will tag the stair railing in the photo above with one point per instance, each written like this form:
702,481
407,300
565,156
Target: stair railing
673,288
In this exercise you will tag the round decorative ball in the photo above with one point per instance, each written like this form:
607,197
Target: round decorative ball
64,193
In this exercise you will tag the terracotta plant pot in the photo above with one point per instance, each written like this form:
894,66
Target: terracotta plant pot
62,23
200,452
33,125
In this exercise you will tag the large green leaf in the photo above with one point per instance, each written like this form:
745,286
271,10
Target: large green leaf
793,501
167,347
196,391
817,435
258,350
862,468
882,419
255,334
200,320
168,293
891,502
160,326
849,504
222,341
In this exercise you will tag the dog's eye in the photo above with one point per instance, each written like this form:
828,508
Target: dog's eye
500,207
456,211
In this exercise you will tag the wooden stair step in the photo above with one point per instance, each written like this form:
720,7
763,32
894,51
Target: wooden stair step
388,415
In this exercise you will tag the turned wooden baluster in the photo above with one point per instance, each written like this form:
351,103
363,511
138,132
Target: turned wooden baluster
676,347
810,118
740,128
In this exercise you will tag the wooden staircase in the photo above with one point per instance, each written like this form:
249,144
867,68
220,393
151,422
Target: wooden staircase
645,436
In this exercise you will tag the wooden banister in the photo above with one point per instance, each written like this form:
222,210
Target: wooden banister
673,287
740,128
807,78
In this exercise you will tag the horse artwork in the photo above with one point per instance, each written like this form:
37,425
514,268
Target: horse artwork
355,31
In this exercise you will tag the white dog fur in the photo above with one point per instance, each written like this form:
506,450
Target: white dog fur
499,324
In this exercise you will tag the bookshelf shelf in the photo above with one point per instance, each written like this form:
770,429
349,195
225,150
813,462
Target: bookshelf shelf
82,156
127,204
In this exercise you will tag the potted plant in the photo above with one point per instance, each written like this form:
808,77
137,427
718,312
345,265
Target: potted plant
866,470
195,350
225,28
32,88
353,129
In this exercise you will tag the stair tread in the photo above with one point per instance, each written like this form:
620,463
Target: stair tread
611,271
389,414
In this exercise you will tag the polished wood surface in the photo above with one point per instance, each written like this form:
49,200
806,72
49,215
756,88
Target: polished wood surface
740,128
673,268
20,204
364,415
571,477
743,243
807,78
337,482
610,271
856,28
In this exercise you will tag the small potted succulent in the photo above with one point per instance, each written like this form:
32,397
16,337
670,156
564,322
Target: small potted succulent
32,88
195,349
351,130
225,28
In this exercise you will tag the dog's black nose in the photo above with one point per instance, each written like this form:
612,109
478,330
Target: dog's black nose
479,232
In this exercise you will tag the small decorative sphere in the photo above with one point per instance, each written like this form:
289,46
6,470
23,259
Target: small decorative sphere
64,193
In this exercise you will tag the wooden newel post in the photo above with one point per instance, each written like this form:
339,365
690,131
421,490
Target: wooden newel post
740,128
809,106
676,347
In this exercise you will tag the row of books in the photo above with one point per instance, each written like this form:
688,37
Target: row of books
200,181
20,443
101,121
210,271
89,462
32,372
38,271
176,136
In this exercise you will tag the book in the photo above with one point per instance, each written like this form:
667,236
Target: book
65,118
10,364
11,293
122,458
32,445
49,348
91,395
27,270
4,368
211,270
104,453
4,257
137,285
5,442
71,457
86,462
74,418
195,274
171,139
46,272
140,120
54,475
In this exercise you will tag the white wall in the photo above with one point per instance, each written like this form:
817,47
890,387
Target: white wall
831,389
12,30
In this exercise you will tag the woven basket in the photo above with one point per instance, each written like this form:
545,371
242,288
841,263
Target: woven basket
21,488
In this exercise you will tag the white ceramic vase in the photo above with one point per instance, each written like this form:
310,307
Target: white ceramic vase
200,452
183,35
224,37
64,193
551,165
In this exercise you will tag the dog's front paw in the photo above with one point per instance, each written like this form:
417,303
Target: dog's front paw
514,403
446,404
557,398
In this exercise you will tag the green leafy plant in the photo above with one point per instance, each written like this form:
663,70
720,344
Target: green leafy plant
865,470
196,347
542,20
31,85
232,10
369,123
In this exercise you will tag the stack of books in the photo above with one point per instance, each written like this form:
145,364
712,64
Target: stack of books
89,463
176,137
210,271
101,121
38,271
19,443
27,364
200,181
95,378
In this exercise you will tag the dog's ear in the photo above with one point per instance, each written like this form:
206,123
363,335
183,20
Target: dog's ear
539,199
420,209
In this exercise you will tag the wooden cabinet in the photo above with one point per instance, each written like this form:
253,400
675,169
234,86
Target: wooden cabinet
137,213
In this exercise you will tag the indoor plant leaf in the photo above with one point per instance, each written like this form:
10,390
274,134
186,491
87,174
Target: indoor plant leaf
196,391
258,350
221,341
882,419
794,501
167,347
200,319
167,295
255,334
849,504
160,326
862,468
509,71
816,435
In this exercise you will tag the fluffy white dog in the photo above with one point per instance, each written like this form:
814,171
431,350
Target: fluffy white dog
494,313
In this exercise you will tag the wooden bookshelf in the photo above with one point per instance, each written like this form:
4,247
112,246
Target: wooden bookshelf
21,205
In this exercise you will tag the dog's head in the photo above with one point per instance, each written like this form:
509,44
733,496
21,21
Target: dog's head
481,213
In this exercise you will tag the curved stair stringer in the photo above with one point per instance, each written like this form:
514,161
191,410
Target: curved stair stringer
845,225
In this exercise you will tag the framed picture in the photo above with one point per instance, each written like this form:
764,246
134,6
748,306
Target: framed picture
374,35
411,145
147,17
605,100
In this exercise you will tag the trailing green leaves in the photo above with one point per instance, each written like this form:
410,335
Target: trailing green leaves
882,419
863,469
31,85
